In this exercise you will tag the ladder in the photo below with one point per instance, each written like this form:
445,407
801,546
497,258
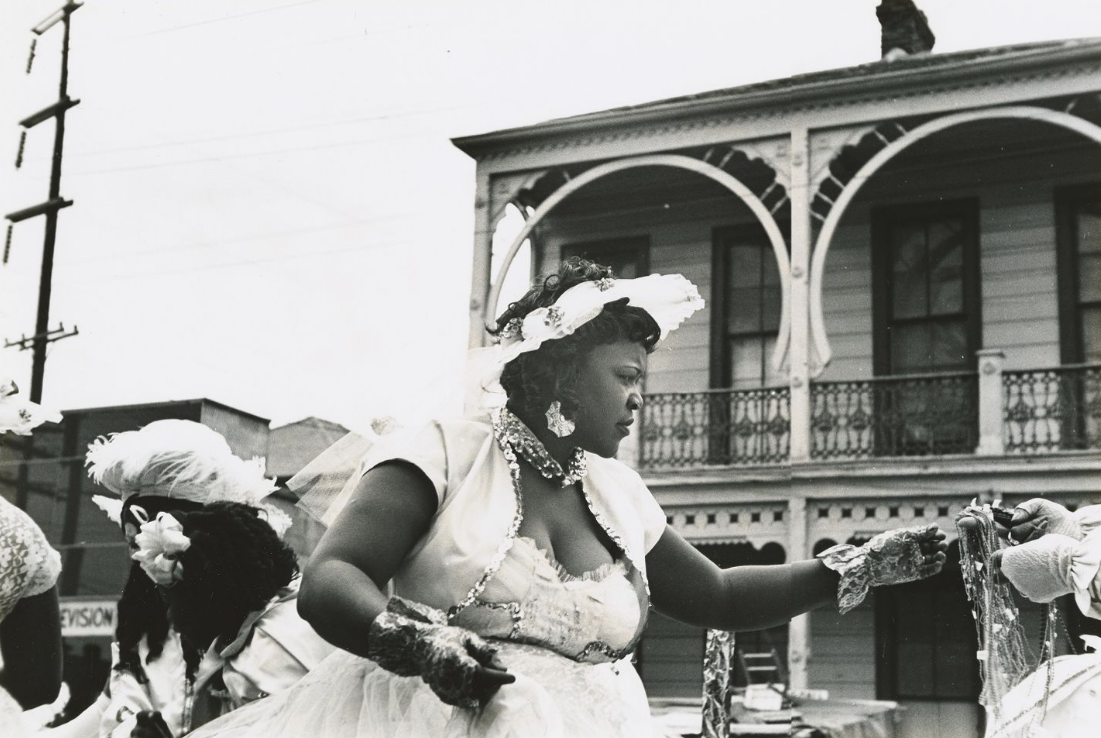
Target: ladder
762,668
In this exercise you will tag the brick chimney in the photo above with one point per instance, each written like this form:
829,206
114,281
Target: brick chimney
905,29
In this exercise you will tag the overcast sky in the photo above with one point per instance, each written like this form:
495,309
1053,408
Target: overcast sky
269,211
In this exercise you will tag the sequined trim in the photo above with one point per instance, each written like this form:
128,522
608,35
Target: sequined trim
524,442
603,648
615,537
512,608
510,537
504,441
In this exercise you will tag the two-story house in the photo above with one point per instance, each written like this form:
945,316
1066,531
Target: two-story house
902,264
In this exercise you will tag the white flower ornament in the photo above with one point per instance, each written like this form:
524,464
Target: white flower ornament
21,416
160,543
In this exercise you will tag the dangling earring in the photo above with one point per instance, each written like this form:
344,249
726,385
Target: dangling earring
558,423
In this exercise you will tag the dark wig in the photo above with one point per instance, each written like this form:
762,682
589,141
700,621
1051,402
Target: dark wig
234,566
537,378
141,611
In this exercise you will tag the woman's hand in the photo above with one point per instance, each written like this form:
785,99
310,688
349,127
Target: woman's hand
150,724
410,639
1038,516
894,557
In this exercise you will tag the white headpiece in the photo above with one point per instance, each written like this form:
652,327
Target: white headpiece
668,298
328,482
179,459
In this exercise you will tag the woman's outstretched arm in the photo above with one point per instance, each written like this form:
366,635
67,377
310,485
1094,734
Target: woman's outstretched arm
343,586
687,586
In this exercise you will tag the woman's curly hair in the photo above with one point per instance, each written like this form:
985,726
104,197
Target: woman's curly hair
141,611
234,566
537,378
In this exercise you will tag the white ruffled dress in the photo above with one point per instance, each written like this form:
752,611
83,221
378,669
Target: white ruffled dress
567,639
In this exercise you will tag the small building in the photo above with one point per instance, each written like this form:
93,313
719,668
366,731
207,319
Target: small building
902,265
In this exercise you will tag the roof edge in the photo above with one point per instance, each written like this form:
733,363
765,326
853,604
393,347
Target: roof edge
896,78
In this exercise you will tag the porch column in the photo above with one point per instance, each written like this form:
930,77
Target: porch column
991,441
800,269
799,627
481,278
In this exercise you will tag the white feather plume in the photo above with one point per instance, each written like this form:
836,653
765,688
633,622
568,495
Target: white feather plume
180,459
111,506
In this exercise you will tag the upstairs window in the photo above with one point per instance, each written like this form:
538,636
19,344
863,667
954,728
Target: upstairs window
745,309
1078,233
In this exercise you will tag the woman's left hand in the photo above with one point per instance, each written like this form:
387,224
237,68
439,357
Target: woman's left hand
893,557
934,553
150,725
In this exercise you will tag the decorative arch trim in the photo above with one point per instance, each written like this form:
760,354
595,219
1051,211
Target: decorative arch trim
743,193
829,225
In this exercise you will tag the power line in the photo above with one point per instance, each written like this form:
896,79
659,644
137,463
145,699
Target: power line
270,132
243,239
249,262
254,154
172,29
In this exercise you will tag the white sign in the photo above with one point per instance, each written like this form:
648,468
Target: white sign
88,617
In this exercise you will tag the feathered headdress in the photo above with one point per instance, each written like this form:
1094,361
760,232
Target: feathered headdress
178,459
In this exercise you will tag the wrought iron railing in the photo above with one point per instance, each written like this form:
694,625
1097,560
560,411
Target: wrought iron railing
1050,410
914,415
715,427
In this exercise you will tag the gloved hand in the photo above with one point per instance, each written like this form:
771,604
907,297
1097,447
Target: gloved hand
893,557
1038,516
150,724
410,639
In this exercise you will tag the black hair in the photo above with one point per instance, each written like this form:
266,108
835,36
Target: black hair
141,611
235,565
537,378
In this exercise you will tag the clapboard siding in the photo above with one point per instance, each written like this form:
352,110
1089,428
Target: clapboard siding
671,658
679,243
842,656
1017,262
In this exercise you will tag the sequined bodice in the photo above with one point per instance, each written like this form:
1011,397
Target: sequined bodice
595,617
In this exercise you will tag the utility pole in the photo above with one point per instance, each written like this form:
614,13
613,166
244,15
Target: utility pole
43,336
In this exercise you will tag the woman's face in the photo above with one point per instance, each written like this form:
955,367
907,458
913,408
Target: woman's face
609,390
130,532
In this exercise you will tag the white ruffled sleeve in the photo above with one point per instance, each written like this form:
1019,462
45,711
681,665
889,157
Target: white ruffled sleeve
1085,575
1088,518
652,516
29,566
423,447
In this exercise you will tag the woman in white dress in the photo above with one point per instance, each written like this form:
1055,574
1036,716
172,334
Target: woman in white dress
522,557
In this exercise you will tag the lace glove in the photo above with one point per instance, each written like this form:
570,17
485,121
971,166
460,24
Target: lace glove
1038,516
893,557
411,639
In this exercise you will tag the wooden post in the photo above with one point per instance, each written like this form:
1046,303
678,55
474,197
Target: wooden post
481,278
799,627
800,296
991,412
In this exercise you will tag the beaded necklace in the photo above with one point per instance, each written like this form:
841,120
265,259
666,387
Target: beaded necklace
1003,655
519,437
